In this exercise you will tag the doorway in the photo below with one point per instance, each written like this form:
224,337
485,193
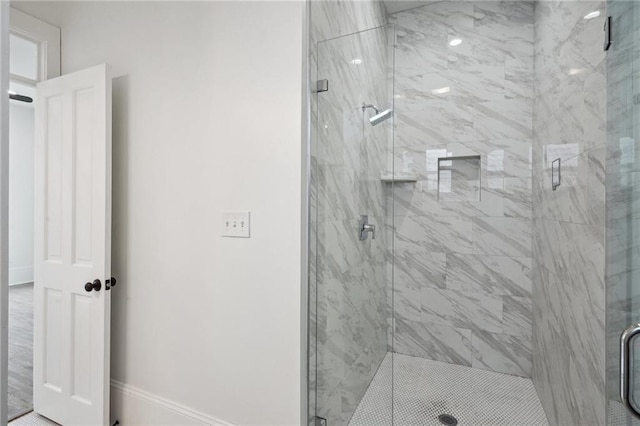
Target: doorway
34,56
21,113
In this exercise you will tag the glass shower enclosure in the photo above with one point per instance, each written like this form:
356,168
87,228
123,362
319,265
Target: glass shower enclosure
623,215
357,171
351,175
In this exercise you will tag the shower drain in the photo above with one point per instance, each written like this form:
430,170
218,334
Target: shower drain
447,419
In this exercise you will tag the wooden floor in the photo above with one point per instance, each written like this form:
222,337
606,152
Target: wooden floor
20,349
32,419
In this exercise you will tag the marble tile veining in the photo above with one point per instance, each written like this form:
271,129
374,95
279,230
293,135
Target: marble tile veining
500,275
568,330
464,87
462,310
501,352
433,341
502,236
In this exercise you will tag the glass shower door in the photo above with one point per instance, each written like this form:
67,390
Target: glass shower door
349,285
623,214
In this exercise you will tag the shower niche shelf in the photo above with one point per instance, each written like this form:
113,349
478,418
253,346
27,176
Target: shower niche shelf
389,178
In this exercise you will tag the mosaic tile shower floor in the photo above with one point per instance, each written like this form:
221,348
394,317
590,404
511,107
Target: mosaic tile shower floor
424,389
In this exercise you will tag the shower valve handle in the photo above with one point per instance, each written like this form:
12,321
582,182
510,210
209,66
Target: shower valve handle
370,228
365,228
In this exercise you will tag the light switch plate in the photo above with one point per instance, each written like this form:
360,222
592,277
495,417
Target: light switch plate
236,224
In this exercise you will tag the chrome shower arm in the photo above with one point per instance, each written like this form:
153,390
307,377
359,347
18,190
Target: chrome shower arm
365,106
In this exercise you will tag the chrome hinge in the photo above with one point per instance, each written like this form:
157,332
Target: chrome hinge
322,86
607,33
555,174
320,421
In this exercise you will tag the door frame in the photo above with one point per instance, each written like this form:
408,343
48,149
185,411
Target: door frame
46,36
49,66
4,209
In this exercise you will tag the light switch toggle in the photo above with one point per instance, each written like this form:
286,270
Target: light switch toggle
236,224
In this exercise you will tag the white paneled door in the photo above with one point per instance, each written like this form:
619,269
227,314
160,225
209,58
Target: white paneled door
73,247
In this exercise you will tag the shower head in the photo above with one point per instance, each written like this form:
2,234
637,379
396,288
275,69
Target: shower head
380,117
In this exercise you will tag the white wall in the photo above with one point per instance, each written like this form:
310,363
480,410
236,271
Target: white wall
207,117
20,193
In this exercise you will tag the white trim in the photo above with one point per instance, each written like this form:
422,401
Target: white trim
46,35
305,219
22,80
137,407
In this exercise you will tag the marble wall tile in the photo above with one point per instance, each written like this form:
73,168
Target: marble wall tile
502,236
565,245
419,267
331,19
517,197
332,204
459,179
501,352
504,19
436,19
436,234
510,118
518,76
469,84
432,341
497,275
470,99
412,56
439,121
575,360
349,276
416,198
461,310
336,254
517,316
595,107
568,226
413,271
596,192
569,202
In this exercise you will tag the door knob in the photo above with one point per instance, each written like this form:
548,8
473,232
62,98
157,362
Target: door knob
95,285
110,283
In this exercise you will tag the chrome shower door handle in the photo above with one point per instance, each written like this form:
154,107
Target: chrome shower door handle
365,228
625,367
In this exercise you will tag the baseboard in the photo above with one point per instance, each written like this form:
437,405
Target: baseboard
134,407
25,284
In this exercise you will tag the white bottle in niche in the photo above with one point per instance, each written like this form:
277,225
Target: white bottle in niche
407,163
